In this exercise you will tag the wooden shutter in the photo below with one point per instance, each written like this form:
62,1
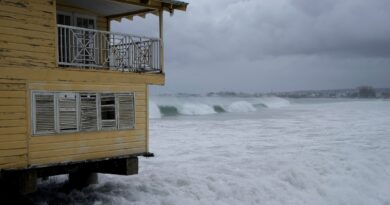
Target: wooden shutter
126,110
67,109
44,113
88,109
107,111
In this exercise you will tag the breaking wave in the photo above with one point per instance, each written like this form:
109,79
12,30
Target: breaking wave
241,106
191,106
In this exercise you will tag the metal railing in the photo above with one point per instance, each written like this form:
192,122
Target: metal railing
94,49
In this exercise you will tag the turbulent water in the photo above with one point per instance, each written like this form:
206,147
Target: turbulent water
188,106
253,151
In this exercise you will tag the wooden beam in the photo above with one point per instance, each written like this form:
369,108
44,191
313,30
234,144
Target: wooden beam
161,31
133,13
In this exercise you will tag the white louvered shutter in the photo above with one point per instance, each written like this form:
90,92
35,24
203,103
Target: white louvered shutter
107,111
88,109
126,110
67,107
44,113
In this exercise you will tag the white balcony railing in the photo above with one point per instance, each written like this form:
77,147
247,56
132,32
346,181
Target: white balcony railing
94,49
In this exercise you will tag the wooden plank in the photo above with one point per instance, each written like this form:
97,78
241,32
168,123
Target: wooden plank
13,123
84,150
12,101
28,6
29,47
12,116
43,14
85,76
12,159
45,28
26,40
12,130
140,108
12,86
5,108
10,53
14,165
146,119
13,138
77,136
26,17
13,145
26,62
27,33
12,94
84,143
82,157
12,152
87,87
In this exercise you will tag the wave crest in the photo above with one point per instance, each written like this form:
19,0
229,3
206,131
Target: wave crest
241,106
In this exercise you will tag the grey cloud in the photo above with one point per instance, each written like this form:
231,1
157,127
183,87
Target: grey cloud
260,42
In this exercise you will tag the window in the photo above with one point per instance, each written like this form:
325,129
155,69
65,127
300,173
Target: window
61,112
44,113
88,111
107,105
67,110
126,111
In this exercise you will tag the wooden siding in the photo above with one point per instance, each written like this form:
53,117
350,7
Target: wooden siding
60,148
13,124
27,33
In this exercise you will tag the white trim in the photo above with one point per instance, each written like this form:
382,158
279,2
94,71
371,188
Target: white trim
56,94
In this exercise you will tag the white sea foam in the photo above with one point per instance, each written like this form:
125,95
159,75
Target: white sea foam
327,153
196,109
274,102
171,106
241,106
154,111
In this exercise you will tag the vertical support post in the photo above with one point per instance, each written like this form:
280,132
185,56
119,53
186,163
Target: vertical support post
161,30
147,117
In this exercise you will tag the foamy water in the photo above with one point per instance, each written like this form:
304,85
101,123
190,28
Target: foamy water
173,106
324,152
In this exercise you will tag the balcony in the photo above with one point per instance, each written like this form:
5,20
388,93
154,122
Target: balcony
102,50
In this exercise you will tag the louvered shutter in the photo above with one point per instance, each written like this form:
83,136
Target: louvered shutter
126,110
67,107
44,113
88,111
108,113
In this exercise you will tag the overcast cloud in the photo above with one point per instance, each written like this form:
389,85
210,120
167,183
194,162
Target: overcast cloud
273,45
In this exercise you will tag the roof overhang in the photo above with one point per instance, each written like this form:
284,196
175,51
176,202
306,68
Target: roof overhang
117,9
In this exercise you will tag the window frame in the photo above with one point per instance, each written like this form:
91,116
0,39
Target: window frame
99,127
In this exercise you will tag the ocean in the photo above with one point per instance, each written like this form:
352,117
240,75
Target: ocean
225,150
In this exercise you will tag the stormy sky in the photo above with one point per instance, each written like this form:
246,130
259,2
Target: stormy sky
272,45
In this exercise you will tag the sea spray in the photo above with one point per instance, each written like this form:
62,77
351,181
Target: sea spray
196,109
241,106
154,112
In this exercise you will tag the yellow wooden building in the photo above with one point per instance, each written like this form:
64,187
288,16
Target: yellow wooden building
73,94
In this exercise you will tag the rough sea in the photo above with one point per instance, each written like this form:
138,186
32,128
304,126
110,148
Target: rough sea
220,150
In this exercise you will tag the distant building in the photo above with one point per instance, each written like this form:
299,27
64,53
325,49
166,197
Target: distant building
366,92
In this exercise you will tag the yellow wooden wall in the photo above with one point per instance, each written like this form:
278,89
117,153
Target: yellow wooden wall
28,62
13,124
27,33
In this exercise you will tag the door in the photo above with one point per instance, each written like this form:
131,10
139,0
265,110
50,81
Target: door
87,48
64,38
